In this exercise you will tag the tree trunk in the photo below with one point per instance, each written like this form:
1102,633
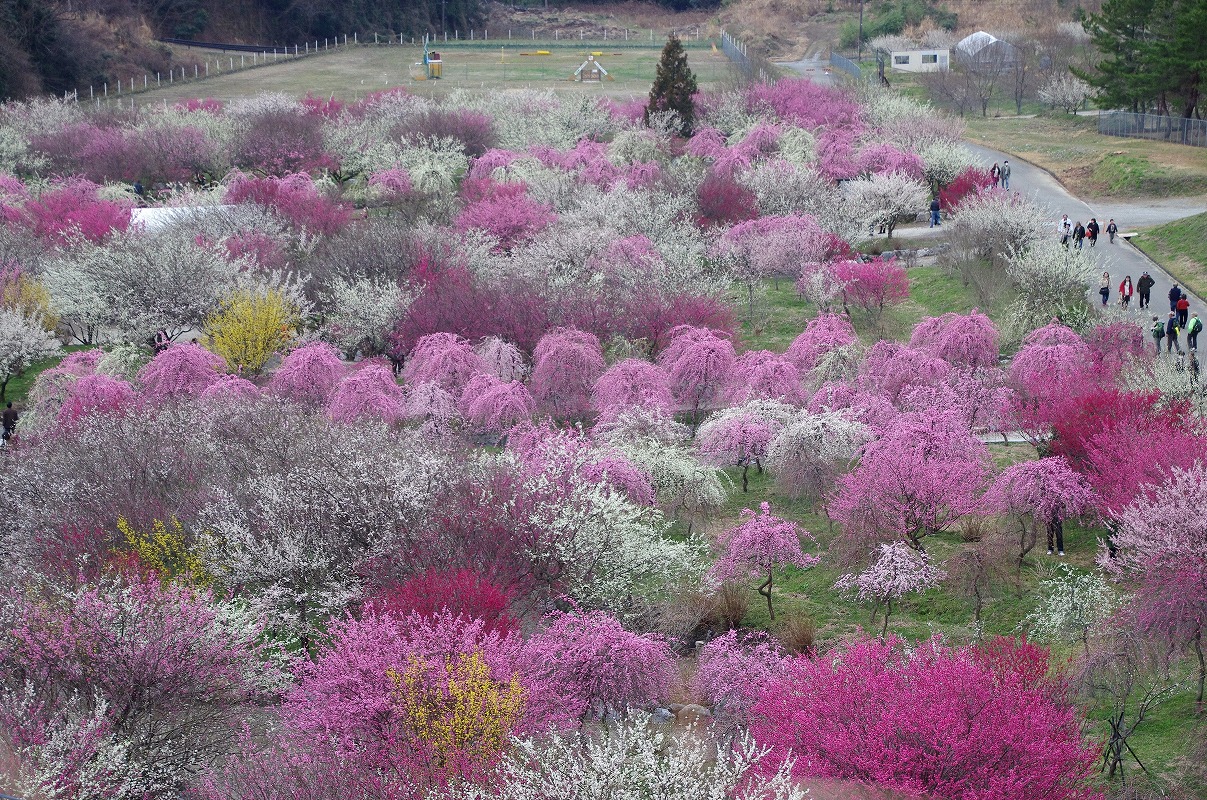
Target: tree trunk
765,591
888,611
745,477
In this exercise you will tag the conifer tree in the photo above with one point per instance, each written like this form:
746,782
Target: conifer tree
674,86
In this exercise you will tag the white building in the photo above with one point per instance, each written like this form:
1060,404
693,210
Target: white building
920,60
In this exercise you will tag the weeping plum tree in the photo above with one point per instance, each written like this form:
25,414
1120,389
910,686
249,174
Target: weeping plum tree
760,544
897,571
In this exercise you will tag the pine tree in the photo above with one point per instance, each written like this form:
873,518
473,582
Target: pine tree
674,86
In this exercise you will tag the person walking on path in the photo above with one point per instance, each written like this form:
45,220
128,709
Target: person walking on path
1104,288
1064,229
1091,231
935,208
996,174
1078,234
1175,294
1111,230
1158,333
1193,326
1183,309
10,418
1144,288
1194,368
1006,174
1125,292
1171,334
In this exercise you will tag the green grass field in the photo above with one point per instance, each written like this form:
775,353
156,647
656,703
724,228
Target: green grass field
1180,247
351,73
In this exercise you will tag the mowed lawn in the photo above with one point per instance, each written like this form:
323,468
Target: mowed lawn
1180,247
351,73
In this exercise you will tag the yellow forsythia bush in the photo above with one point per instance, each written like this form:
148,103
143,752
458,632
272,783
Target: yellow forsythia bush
463,715
249,327
164,550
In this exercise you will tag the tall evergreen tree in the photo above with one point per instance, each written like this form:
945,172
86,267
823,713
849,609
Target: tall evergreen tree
674,86
1154,55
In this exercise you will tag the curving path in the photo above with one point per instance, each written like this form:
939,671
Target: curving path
1121,258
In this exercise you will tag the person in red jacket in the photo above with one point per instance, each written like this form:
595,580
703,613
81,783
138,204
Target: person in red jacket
1183,309
1125,291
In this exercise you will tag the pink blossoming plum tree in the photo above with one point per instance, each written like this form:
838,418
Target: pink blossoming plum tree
309,374
760,544
1040,493
182,370
566,365
628,384
369,393
699,363
897,570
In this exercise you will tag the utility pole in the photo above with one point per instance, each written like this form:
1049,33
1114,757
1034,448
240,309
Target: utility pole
861,30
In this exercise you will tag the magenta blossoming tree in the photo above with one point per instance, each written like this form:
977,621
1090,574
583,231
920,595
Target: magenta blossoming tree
764,375
734,669
183,370
505,211
444,359
979,723
602,668
872,285
823,334
1037,494
698,362
897,571
369,393
760,544
308,375
494,406
95,394
922,475
165,669
969,341
566,365
1161,549
632,383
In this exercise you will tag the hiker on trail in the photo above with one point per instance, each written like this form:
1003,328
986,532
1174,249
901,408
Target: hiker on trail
1193,326
1194,367
1175,294
1105,288
1078,234
934,213
1111,230
1144,288
1183,309
1125,291
1091,231
996,172
1158,333
10,418
1064,229
1171,334
1006,174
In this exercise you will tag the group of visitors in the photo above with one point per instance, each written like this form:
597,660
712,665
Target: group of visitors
1078,234
1142,289
1180,320
1001,175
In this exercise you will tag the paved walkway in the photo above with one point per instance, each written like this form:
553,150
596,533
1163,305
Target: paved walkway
1121,258
816,69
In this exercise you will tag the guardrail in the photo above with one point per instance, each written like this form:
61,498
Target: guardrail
1157,127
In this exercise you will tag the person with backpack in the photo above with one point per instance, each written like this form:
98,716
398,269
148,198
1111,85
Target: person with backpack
1158,333
1183,309
1175,294
1171,334
1111,230
1144,288
1192,331
1125,291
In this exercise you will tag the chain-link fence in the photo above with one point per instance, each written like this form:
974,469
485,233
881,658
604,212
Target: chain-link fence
752,68
1179,130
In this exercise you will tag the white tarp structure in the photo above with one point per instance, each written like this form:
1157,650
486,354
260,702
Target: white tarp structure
156,219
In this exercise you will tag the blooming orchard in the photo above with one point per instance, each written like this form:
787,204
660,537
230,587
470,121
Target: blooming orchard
402,450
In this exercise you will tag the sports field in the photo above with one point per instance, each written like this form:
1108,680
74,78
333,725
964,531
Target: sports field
353,72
